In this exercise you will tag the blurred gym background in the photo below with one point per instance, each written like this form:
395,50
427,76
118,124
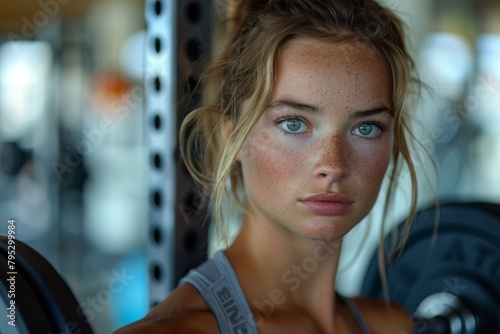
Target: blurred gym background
75,155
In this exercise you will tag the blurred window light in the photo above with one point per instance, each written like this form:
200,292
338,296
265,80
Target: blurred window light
446,63
24,85
132,55
484,98
113,223
488,53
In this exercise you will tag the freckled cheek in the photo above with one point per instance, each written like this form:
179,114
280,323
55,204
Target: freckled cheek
269,166
372,166
273,162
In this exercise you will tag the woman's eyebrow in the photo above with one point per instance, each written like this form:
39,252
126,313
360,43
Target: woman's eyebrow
371,112
289,104
298,106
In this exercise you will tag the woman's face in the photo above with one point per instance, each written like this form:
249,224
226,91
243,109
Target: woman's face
314,162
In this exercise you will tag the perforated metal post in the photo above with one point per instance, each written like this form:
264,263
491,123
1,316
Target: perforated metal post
178,34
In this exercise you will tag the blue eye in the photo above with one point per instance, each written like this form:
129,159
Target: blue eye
367,130
293,125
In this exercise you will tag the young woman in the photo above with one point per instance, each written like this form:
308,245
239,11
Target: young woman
305,109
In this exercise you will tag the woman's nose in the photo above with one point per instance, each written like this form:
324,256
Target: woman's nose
332,159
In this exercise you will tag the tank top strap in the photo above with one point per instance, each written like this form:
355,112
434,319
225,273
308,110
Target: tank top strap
217,283
357,314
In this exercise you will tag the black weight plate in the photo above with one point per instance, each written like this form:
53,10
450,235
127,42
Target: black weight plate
463,260
45,294
28,313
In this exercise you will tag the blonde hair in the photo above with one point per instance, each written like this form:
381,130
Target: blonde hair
239,81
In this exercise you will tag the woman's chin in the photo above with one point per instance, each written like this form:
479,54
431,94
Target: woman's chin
324,230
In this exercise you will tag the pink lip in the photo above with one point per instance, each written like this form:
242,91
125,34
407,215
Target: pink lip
328,204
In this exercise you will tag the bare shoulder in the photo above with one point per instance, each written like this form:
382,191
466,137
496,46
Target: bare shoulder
184,311
383,318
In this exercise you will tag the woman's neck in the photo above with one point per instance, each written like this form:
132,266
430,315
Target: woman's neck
281,271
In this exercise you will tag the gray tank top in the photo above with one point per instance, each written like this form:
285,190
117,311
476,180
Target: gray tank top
217,283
